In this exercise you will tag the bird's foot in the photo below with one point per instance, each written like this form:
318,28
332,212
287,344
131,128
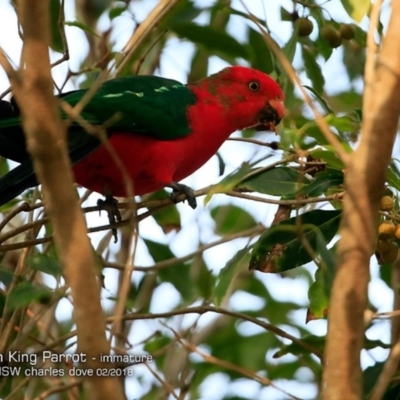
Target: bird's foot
110,205
179,188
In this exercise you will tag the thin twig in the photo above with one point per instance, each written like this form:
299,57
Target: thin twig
59,389
207,308
297,202
15,211
201,249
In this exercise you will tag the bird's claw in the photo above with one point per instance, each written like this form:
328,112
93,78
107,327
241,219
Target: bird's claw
179,188
110,205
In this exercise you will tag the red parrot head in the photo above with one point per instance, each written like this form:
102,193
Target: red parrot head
249,97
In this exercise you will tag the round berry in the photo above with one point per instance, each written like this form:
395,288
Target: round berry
305,26
347,31
389,256
386,203
331,35
397,232
386,230
382,245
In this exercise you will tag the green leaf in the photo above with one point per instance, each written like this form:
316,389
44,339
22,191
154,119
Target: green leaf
329,156
286,15
393,176
6,275
229,182
290,47
392,392
4,167
349,102
82,26
320,291
3,301
296,349
313,70
354,57
25,293
117,11
202,277
260,55
178,275
236,264
45,263
361,37
324,181
281,247
94,8
168,218
370,344
55,34
314,132
320,99
357,9
184,11
324,49
246,351
279,181
231,219
155,344
245,15
370,377
9,205
344,123
219,19
211,38
385,273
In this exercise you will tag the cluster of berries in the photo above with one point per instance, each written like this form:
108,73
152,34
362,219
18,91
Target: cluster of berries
386,246
328,32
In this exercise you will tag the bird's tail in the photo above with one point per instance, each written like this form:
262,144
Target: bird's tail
16,181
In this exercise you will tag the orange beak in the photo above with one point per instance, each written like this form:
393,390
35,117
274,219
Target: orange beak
278,106
270,115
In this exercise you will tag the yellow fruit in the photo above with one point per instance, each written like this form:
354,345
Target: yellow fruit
386,203
347,31
386,230
382,246
389,256
331,35
305,26
397,232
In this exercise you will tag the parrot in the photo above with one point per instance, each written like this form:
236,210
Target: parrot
162,130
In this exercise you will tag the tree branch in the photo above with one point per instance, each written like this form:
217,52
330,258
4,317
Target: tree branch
46,142
365,177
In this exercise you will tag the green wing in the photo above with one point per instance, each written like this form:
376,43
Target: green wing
144,104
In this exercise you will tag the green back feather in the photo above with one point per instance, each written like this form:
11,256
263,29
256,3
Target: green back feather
145,104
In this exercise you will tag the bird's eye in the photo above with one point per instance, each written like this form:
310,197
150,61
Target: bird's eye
254,86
